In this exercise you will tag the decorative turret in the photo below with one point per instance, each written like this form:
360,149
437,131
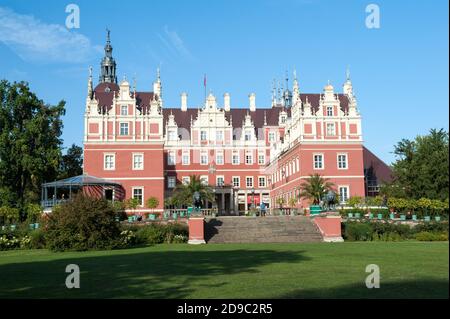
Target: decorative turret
348,88
295,90
90,85
108,64
157,87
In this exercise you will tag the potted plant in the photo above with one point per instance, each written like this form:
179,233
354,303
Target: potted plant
152,203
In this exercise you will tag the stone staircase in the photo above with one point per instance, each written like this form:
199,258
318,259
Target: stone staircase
269,229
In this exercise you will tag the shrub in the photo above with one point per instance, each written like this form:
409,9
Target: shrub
434,227
9,242
428,236
37,239
358,231
159,233
83,223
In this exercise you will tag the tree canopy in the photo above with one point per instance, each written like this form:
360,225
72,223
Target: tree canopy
71,163
30,143
421,168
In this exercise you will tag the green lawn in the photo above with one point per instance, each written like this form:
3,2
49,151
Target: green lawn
316,270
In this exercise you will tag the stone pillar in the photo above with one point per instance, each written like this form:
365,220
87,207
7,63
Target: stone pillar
223,201
231,201
196,230
246,202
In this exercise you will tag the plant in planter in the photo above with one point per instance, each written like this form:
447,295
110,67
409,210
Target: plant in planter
152,203
132,203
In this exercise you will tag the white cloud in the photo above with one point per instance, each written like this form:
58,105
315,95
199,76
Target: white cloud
34,40
174,43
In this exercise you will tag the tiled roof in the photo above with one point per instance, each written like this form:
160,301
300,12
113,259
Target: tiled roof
183,118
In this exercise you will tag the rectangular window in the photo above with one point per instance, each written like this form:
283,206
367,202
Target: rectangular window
186,180
249,181
138,161
185,158
219,158
124,110
330,129
343,193
203,159
220,181
219,136
342,161
261,159
235,159
248,158
318,161
236,181
123,128
203,135
171,182
110,161
138,193
262,181
329,111
171,158
271,136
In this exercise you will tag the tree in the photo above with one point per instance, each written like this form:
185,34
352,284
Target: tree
72,162
30,142
292,202
132,203
421,169
315,188
152,202
280,202
183,194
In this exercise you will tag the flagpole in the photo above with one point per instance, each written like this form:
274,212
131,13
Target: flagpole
204,84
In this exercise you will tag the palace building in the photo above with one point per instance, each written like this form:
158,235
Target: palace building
247,154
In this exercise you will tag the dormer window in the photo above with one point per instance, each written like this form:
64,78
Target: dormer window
172,135
124,110
248,135
329,111
283,119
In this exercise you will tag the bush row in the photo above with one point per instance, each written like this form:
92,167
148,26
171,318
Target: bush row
380,231
88,224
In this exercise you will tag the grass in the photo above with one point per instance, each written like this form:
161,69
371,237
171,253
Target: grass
316,270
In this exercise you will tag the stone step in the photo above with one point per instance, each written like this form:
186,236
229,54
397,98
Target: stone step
261,229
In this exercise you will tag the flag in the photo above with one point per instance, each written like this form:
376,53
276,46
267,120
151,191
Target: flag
204,81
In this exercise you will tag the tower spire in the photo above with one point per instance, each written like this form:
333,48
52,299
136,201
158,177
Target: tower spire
108,64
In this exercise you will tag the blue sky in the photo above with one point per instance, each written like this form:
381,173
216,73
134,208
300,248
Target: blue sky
399,71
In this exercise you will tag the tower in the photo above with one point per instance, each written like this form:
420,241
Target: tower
287,94
108,64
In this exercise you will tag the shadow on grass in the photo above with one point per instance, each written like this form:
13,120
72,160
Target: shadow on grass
150,274
423,289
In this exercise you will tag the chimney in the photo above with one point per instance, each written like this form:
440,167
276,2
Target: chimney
226,102
252,101
184,101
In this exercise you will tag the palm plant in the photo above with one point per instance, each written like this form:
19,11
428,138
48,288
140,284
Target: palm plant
183,193
315,188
